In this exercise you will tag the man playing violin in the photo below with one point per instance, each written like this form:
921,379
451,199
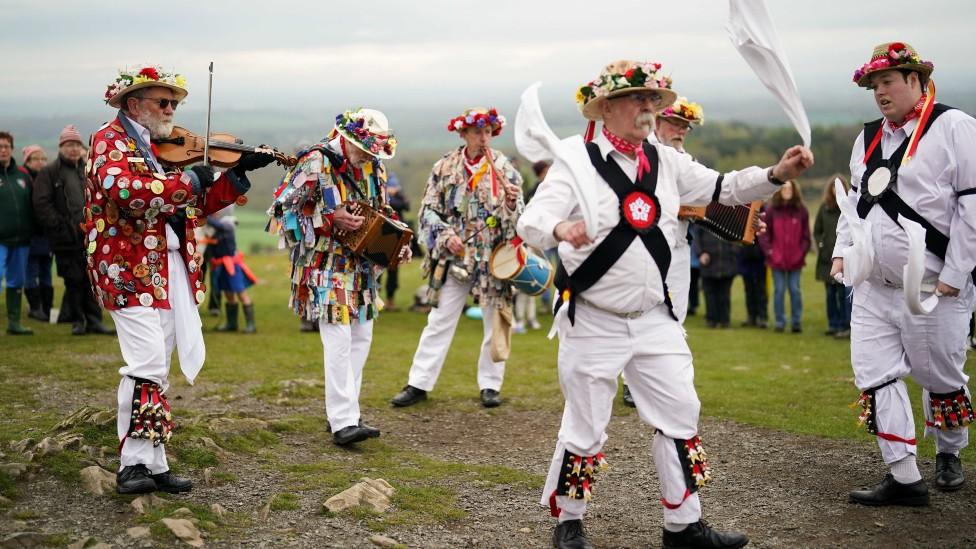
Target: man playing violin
471,204
313,207
143,262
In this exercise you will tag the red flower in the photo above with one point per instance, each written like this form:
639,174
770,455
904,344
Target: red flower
149,73
629,74
896,46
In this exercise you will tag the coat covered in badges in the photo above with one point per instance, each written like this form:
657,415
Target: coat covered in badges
329,282
128,206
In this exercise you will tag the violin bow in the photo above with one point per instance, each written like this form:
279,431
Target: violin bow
206,136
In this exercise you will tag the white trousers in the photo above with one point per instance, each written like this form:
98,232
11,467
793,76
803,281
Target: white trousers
147,337
653,353
346,347
888,342
436,340
679,279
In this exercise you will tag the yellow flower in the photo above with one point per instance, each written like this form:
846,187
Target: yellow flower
580,98
180,81
139,79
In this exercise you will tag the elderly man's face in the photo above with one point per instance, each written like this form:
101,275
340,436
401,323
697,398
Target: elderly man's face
672,132
72,150
146,106
631,116
477,140
357,157
6,151
895,95
38,159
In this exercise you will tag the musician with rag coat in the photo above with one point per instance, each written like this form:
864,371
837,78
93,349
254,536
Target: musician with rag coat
143,263
914,167
471,203
314,205
613,311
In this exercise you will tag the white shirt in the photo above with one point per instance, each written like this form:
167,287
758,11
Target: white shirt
633,283
943,165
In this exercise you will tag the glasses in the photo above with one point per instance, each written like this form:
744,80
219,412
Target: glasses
641,98
681,125
162,102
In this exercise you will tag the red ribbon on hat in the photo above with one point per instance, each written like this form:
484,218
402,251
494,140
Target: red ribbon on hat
625,147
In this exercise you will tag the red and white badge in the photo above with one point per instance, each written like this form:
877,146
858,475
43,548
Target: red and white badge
640,210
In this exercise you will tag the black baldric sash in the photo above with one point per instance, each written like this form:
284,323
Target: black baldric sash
887,198
640,211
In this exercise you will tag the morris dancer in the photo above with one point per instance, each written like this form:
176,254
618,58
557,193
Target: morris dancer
471,204
143,262
888,342
616,295
330,284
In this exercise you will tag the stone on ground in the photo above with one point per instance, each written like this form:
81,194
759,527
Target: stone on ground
383,541
23,540
142,504
138,532
218,510
375,493
184,530
97,481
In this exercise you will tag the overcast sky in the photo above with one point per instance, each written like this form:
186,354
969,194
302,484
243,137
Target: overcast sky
314,56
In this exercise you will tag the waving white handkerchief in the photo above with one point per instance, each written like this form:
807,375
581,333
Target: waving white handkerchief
859,257
914,270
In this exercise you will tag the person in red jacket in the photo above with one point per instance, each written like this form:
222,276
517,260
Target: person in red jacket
143,261
787,241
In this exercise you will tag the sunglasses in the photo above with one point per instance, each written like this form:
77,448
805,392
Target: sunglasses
162,102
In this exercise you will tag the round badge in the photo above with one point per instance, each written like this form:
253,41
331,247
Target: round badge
109,135
106,249
114,270
161,177
136,185
122,182
112,231
115,156
114,170
108,181
150,241
640,210
100,147
123,193
179,195
102,267
157,279
167,208
92,247
120,145
145,300
137,203
140,270
190,248
152,256
241,200
156,202
160,293
88,166
200,295
92,235
156,187
192,266
879,181
100,225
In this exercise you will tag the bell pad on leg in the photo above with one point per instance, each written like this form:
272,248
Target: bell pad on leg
951,410
577,475
151,417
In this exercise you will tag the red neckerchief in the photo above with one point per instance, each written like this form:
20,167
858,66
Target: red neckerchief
471,165
346,166
643,165
912,114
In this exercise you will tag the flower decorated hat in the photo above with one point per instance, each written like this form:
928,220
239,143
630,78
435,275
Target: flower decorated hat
369,130
621,78
478,117
691,113
130,80
891,55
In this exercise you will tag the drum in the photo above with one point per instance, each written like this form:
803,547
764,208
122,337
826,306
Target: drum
528,271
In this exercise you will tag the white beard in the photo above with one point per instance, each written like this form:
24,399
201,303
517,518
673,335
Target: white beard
157,128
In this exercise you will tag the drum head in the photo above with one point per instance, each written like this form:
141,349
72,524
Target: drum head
504,262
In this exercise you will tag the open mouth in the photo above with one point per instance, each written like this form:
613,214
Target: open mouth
884,103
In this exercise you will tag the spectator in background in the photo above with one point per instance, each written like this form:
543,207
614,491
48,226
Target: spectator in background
37,286
694,275
16,227
59,203
400,204
825,235
718,269
788,241
526,310
752,267
230,274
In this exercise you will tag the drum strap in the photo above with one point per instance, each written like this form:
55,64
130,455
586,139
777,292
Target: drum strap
616,243
935,241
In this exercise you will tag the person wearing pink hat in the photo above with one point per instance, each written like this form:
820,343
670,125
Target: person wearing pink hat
37,286
59,203
913,169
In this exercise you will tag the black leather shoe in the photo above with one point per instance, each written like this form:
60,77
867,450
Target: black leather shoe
628,398
570,535
172,484
700,534
409,396
78,329
372,432
134,479
892,492
349,435
99,328
490,398
948,472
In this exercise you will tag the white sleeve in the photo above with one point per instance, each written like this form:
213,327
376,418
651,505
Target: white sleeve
698,185
552,203
961,255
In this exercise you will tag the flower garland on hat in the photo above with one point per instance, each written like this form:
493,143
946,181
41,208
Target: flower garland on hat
684,109
373,143
128,78
623,75
478,118
893,55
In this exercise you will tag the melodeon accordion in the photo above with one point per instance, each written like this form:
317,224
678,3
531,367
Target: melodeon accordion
732,223
379,239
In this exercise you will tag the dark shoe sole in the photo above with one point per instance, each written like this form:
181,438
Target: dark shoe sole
918,501
405,403
736,546
174,490
491,404
950,488
360,436
143,488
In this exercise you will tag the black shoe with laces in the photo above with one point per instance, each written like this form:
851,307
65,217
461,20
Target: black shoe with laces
948,472
172,484
570,535
892,492
628,398
700,534
134,479
490,398
409,396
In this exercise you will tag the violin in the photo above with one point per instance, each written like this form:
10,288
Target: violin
183,148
